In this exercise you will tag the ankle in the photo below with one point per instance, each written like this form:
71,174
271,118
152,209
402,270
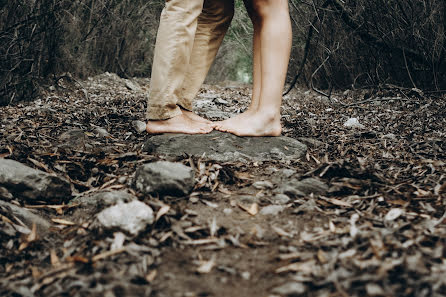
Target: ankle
268,115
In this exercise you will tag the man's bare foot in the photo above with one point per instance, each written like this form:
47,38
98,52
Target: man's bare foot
194,116
179,124
251,124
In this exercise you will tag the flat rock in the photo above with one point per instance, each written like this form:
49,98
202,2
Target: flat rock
27,216
165,178
304,187
132,217
226,147
26,183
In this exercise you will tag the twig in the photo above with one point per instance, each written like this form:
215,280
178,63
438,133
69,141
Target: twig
408,71
375,100
306,50
330,52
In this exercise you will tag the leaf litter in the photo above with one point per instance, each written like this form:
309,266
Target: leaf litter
379,229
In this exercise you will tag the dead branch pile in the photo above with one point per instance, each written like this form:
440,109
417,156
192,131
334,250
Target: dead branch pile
368,43
43,38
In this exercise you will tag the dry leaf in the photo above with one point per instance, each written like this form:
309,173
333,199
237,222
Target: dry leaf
322,256
63,222
150,277
213,227
162,211
107,254
304,267
281,232
206,266
54,258
252,210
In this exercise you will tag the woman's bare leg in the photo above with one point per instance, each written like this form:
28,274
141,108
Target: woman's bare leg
272,29
256,61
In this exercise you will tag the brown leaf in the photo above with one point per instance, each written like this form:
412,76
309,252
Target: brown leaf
150,277
54,258
162,211
206,266
63,222
253,209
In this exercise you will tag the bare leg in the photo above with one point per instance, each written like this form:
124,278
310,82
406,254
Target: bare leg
273,28
257,71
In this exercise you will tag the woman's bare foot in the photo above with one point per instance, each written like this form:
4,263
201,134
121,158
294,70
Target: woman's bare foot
194,116
179,124
251,124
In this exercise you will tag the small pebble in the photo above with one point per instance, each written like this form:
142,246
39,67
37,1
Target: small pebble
246,275
227,211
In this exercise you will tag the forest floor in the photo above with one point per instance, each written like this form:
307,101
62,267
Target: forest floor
361,214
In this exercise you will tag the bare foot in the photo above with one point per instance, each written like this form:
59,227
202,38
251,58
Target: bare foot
194,116
251,124
179,124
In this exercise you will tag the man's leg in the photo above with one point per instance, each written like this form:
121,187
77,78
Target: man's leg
173,49
213,23
272,27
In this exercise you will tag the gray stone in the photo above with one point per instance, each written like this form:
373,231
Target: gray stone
101,132
226,147
290,289
73,139
272,210
280,199
27,216
304,187
308,206
27,183
222,101
173,179
353,123
132,85
101,199
139,126
132,217
286,172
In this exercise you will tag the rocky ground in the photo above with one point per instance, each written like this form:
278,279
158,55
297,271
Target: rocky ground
349,202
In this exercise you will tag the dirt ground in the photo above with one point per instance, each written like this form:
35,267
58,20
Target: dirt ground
376,228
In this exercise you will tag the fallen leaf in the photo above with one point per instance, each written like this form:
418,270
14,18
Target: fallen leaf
252,210
54,258
206,266
304,267
107,254
162,211
63,222
150,277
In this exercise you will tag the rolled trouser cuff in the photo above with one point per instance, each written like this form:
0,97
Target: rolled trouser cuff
157,112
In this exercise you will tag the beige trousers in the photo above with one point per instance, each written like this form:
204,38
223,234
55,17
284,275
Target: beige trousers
189,36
